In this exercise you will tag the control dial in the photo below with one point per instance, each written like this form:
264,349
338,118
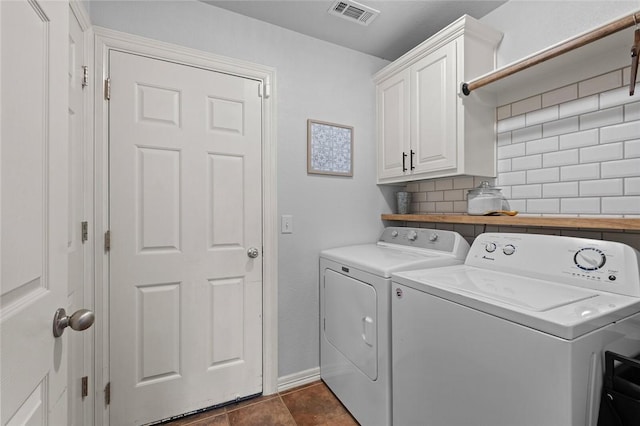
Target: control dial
412,235
490,247
590,259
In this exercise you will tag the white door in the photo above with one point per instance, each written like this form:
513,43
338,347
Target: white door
33,200
185,209
78,247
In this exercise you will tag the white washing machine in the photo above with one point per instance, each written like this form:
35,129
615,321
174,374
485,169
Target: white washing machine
355,286
516,335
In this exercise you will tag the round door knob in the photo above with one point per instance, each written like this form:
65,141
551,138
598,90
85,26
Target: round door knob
79,320
253,252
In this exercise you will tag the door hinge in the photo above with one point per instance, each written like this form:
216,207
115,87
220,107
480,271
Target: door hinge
85,386
324,324
85,76
107,89
107,241
85,231
107,394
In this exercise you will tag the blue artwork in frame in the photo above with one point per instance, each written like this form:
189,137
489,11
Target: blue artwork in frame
329,148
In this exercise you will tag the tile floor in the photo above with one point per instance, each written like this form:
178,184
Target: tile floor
308,405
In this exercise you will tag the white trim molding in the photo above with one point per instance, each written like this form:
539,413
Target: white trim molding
298,379
106,40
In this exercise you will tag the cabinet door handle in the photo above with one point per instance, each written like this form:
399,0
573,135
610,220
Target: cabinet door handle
404,158
411,160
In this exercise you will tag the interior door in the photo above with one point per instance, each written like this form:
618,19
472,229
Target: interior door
77,240
33,216
185,216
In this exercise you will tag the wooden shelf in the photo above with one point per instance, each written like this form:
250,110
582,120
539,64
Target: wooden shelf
534,221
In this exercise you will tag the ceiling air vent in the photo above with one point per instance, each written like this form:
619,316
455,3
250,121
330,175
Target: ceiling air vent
354,12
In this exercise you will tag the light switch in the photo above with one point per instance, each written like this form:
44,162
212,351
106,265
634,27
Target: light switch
286,224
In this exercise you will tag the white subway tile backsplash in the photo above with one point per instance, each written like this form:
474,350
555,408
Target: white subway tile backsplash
526,134
454,195
526,191
463,182
602,118
444,184
561,95
620,132
542,115
621,205
579,106
444,207
602,188
570,151
608,152
518,205
632,186
512,123
581,172
526,163
503,112
560,158
504,165
542,145
427,186
622,168
600,84
632,149
548,206
504,138
560,127
579,139
632,112
435,196
616,97
512,178
559,190
580,206
543,175
526,105
510,151
459,206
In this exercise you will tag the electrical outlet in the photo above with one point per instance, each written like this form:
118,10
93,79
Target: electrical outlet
286,224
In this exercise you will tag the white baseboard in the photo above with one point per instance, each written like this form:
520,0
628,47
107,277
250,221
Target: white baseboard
298,379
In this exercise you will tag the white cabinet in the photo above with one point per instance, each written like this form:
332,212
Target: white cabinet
425,129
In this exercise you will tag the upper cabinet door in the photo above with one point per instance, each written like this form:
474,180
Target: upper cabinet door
433,128
393,101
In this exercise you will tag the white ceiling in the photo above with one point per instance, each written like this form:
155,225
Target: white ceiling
400,26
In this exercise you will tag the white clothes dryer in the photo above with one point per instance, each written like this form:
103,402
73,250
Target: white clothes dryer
516,335
355,285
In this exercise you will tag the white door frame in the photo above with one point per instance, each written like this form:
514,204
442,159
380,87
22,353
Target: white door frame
89,301
106,40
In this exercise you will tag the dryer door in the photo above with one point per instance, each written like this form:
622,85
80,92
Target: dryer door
351,320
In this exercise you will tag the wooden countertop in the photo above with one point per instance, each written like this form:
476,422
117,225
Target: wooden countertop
541,221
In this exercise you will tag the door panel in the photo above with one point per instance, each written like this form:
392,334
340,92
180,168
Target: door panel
33,217
185,206
393,125
434,125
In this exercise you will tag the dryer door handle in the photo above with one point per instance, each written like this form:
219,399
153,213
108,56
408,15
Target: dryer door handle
367,330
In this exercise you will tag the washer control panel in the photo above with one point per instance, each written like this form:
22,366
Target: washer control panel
595,264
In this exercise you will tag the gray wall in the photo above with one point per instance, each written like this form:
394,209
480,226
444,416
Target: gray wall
532,25
315,80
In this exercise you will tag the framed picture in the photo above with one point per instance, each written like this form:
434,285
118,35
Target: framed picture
329,148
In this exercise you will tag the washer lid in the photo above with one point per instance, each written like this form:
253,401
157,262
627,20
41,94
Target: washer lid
384,259
558,309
